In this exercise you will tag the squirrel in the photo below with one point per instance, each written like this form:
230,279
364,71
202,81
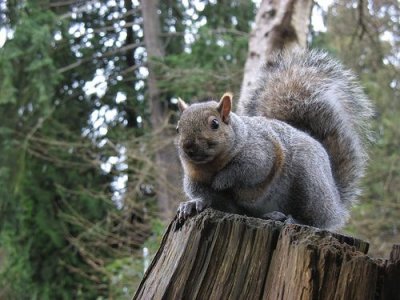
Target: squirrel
295,151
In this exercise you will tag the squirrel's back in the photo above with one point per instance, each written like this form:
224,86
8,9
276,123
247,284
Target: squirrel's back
314,93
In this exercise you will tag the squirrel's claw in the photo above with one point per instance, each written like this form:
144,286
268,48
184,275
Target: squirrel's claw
185,210
189,208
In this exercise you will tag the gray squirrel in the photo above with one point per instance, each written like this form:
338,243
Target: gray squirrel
295,150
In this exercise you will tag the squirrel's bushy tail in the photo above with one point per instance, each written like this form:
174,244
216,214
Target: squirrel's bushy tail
315,94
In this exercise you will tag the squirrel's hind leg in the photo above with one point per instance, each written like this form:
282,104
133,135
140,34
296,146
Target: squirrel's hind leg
279,216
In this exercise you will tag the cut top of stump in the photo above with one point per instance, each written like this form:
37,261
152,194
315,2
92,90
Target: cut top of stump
216,255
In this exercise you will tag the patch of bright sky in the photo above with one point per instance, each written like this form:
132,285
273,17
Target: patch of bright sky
121,97
394,17
99,119
77,30
317,20
98,85
3,36
120,182
190,30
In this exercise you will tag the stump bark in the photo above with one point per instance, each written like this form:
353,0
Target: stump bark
215,255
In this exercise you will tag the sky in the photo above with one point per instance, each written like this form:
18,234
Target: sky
3,36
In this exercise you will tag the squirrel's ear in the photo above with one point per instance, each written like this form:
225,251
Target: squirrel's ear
225,106
182,105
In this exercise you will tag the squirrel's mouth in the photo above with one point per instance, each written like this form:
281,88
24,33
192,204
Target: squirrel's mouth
198,158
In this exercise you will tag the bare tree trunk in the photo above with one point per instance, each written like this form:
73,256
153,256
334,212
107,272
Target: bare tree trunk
166,158
131,114
279,24
155,50
224,256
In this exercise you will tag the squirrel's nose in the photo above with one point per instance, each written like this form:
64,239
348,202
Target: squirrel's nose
188,146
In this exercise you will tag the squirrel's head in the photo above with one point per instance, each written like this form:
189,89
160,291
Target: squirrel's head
204,130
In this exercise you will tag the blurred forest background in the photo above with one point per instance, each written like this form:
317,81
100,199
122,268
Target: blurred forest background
88,171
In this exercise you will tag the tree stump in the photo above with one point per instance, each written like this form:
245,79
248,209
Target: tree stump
215,255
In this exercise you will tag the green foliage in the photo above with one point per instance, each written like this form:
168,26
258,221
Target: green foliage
28,56
126,273
213,65
38,256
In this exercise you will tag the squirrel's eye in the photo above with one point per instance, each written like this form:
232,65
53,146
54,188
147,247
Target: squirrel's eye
177,127
214,124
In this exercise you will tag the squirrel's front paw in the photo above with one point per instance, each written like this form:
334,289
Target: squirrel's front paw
189,208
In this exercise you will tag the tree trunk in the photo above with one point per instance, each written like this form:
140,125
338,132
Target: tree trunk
154,50
131,114
224,256
279,25
165,158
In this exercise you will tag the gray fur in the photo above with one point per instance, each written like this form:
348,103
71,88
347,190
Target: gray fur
314,93
296,147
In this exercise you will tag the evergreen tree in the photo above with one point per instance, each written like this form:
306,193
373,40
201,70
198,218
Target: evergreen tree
41,168
58,223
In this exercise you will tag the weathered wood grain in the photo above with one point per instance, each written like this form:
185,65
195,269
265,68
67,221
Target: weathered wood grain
390,274
224,256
